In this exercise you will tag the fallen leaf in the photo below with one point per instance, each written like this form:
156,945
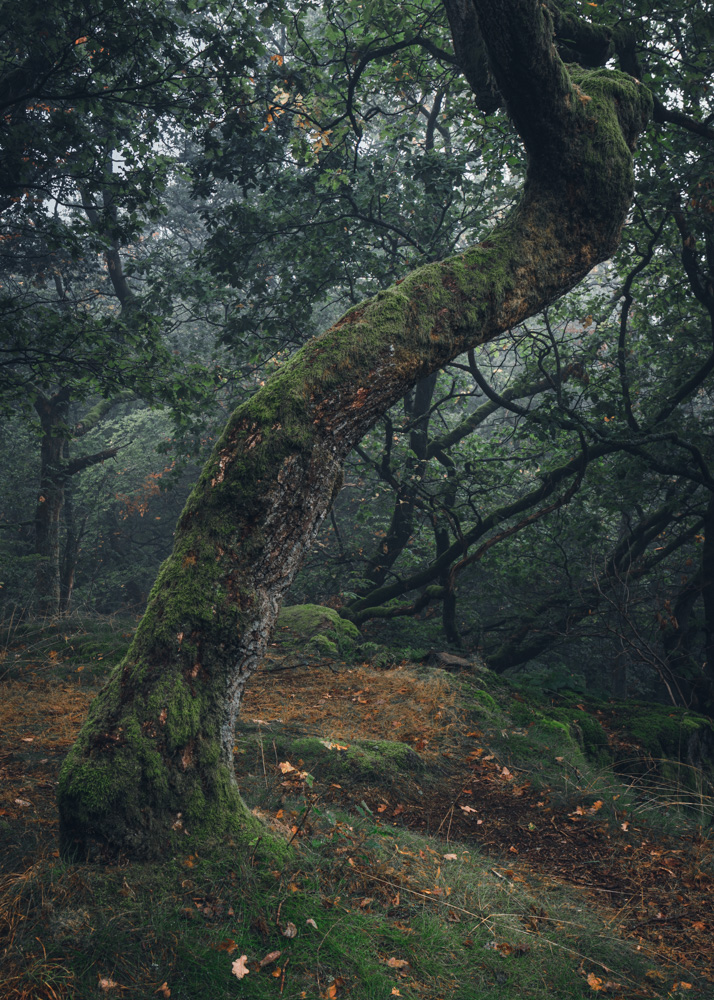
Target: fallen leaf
395,992
22,802
699,925
290,931
366,902
28,739
239,967
451,857
228,945
107,984
397,963
272,956
381,807
311,922
593,982
468,809
331,991
164,990
285,767
625,826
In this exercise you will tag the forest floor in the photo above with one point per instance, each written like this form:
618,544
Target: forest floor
551,888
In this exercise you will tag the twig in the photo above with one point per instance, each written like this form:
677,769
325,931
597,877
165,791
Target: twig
262,755
300,825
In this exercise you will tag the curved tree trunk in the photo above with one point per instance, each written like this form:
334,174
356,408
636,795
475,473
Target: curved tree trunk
155,756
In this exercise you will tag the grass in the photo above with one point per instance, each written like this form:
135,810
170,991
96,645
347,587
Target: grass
488,870
374,911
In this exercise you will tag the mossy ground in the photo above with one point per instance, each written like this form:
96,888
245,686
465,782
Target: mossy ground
447,842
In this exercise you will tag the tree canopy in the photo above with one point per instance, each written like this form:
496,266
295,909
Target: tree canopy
518,385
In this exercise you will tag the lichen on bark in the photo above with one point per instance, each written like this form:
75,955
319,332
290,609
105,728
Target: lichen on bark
155,756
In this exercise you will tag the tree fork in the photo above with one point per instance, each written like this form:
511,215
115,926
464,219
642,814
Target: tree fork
155,756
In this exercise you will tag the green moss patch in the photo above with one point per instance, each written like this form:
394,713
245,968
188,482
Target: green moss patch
314,629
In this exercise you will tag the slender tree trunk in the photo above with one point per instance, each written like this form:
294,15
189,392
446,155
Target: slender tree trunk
401,526
155,756
705,685
52,411
70,553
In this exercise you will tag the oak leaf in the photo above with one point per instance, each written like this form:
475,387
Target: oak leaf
290,931
239,967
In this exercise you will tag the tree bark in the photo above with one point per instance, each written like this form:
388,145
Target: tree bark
53,412
54,580
155,756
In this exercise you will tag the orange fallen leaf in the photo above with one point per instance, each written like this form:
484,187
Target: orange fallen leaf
164,990
593,982
272,956
286,767
228,945
397,963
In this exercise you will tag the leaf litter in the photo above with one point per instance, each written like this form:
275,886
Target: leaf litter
652,889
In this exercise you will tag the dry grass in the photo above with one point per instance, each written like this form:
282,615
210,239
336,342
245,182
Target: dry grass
57,710
357,703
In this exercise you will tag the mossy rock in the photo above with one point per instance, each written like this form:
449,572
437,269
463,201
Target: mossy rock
315,630
668,735
586,730
486,700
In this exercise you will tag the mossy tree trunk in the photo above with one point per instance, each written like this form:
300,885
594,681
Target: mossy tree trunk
155,756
